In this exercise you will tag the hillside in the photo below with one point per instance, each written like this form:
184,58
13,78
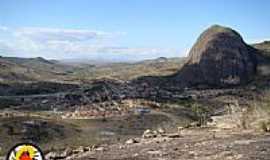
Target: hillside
263,57
264,47
31,69
129,71
15,69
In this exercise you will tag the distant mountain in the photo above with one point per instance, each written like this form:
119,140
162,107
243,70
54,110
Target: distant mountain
40,69
128,71
36,63
27,60
30,69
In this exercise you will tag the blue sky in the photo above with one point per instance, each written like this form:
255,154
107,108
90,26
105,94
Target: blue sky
124,29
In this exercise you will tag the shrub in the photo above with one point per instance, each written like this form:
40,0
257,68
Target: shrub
264,126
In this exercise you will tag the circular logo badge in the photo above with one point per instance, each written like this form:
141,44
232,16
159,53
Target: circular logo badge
25,151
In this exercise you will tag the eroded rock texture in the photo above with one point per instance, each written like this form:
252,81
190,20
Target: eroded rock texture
220,58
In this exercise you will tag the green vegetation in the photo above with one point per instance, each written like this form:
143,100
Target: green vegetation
265,126
257,114
201,112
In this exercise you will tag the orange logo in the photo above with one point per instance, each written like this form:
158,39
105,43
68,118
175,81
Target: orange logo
25,151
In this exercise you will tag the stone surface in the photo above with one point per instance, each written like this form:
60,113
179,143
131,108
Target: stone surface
161,131
131,141
197,144
219,58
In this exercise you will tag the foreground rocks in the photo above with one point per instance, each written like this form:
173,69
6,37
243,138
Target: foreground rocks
203,144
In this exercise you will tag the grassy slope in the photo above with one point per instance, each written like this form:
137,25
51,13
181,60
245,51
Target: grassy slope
30,69
39,69
264,47
128,71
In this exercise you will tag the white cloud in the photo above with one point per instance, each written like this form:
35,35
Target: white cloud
53,34
71,43
3,28
256,40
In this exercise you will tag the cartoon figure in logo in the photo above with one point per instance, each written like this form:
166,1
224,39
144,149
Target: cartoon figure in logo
25,156
25,152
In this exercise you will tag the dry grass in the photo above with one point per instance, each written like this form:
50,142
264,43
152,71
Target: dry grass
125,71
257,116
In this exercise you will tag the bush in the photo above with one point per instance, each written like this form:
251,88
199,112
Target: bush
264,126
200,112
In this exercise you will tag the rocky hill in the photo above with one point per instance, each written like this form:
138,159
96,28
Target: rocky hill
221,58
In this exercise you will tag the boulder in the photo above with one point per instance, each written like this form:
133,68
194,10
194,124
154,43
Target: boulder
161,131
54,156
131,141
219,58
148,134
100,149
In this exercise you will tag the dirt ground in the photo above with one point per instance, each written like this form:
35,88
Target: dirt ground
199,144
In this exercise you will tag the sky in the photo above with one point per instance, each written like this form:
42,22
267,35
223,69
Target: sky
122,29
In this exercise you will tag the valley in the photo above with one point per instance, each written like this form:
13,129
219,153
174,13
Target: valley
166,108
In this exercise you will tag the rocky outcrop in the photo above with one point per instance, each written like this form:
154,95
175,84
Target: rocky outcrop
219,58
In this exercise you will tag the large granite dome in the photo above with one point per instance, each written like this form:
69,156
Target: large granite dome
220,57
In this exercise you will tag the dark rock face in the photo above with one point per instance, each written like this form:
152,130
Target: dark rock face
219,58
